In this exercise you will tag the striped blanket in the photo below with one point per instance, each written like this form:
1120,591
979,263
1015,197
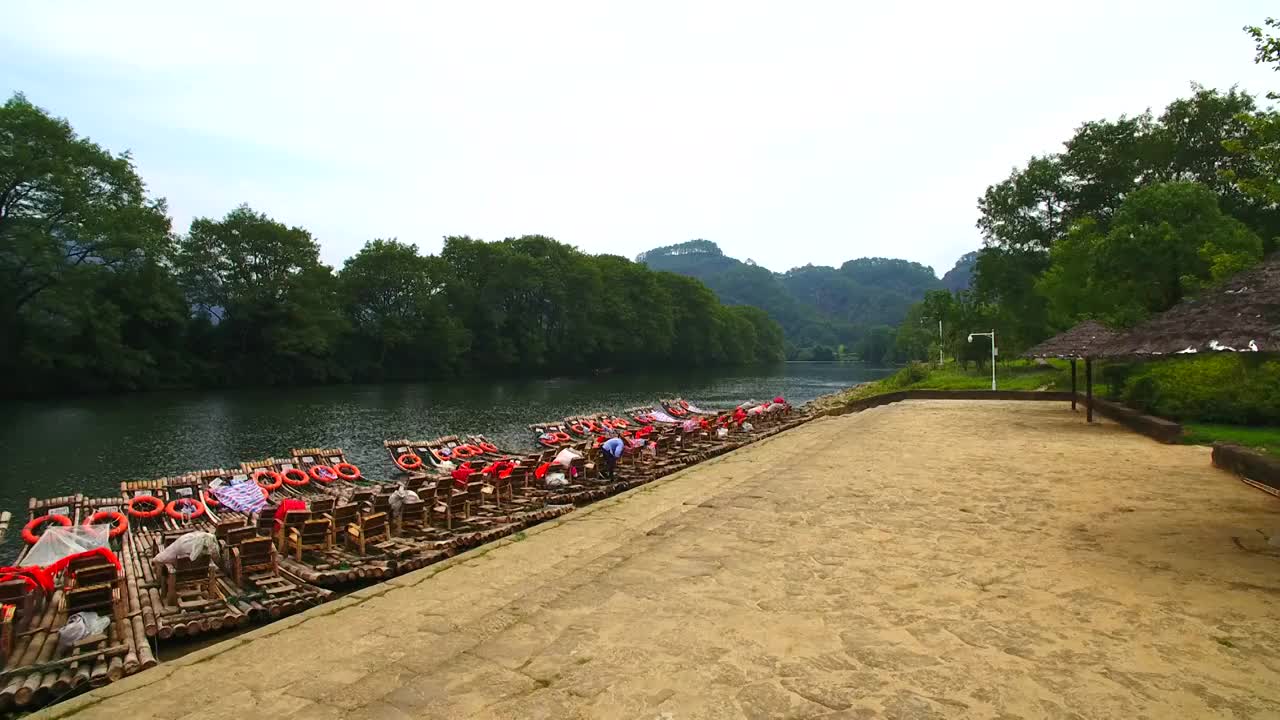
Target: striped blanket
245,497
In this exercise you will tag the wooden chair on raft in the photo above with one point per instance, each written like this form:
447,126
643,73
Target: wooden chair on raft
413,516
293,519
94,583
367,530
449,503
339,518
188,584
24,600
309,535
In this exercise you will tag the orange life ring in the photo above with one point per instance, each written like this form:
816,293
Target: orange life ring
579,429
561,436
409,461
28,530
347,471
548,439
621,423
489,447
323,473
294,477
276,479
118,526
591,426
462,451
172,509
156,503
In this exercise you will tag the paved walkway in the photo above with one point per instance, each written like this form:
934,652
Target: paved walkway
921,560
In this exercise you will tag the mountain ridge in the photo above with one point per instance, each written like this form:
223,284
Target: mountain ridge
817,305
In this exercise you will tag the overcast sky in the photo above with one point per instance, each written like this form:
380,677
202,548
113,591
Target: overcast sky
789,133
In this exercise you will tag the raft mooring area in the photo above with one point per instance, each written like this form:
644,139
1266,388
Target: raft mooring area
925,559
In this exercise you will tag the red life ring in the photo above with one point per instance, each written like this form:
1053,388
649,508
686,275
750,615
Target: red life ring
28,530
548,439
172,509
561,436
118,526
621,423
409,461
591,426
489,447
276,479
293,477
579,429
209,499
347,471
322,473
157,506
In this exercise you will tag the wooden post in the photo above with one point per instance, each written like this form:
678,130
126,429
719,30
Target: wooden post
1088,386
1073,384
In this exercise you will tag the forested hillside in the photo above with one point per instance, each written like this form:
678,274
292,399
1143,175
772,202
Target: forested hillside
820,308
98,293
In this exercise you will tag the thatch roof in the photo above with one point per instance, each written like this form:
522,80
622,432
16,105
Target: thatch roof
1084,340
1241,314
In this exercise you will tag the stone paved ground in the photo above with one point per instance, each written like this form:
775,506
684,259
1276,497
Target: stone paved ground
922,560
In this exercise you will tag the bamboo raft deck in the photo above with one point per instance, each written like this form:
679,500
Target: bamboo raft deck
149,602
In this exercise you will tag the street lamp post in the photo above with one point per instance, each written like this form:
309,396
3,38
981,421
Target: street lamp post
991,335
939,342
922,321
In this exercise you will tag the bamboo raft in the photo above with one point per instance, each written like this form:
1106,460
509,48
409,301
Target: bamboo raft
352,532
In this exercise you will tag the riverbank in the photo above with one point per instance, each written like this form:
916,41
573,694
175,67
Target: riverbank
941,576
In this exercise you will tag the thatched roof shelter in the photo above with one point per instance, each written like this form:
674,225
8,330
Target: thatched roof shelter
1241,314
1085,340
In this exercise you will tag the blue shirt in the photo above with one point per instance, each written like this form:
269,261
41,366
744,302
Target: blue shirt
613,446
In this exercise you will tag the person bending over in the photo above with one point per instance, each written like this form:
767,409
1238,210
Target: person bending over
611,450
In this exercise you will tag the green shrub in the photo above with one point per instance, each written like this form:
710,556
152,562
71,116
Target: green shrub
908,376
1224,388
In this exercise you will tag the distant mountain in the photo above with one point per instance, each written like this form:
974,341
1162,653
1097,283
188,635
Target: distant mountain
959,277
816,305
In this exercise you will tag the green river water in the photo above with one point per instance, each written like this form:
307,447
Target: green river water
90,445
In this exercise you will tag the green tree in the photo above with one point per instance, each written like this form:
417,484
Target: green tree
1165,242
402,327
274,304
78,237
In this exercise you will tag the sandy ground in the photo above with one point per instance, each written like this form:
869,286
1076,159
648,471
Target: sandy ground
931,559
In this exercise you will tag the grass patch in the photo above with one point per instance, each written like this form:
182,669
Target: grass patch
1266,439
1020,375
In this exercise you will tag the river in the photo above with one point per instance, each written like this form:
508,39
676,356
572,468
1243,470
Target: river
91,444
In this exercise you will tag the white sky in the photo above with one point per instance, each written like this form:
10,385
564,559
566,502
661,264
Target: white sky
788,133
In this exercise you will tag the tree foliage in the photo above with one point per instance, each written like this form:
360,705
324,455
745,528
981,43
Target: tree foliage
97,294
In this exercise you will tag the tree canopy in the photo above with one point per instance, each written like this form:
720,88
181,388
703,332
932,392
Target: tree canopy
1133,215
99,294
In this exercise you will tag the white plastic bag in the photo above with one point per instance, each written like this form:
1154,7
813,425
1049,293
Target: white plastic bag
400,497
80,626
56,543
192,545
556,480
722,433
566,456
447,466
748,427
